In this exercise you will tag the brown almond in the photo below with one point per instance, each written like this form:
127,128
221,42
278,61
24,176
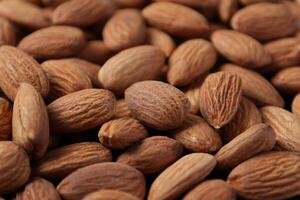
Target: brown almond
110,195
122,109
18,67
8,32
107,175
14,167
53,3
285,125
255,86
60,162
152,155
255,178
87,109
197,136
125,29
157,104
132,3
176,19
182,176
202,5
190,60
287,80
241,49
130,66
121,133
248,2
220,98
296,106
6,119
53,42
211,190
264,21
226,9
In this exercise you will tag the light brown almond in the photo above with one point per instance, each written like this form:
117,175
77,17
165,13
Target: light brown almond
110,195
202,5
296,106
226,9
8,32
287,80
122,109
6,119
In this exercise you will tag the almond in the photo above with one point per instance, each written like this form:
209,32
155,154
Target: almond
285,125
107,175
53,2
53,42
190,60
248,2
180,177
37,189
110,195
197,136
264,21
152,155
60,162
157,104
125,29
176,19
226,9
220,98
241,49
262,177
6,119
132,3
130,66
122,109
287,80
262,92
296,106
8,32
14,167
87,109
203,4
210,190
17,67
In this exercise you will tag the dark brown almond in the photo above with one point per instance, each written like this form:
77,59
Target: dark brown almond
6,119
8,32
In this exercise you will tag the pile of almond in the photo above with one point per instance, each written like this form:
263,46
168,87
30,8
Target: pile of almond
149,99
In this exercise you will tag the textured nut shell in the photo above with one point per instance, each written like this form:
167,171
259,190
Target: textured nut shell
182,176
197,136
122,109
220,98
190,60
8,32
6,119
110,195
60,162
296,106
161,40
287,80
262,177
152,155
82,110
226,9
107,175
17,67
14,167
157,104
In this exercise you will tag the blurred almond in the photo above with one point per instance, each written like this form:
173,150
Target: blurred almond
8,32
6,119
227,8
296,106
248,2
53,2
131,3
122,109
110,195
287,80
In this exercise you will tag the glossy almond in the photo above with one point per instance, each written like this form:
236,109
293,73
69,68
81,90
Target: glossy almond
110,195
8,32
190,60
130,66
107,175
197,136
53,42
87,109
176,19
255,86
220,98
182,176
296,106
262,177
285,125
6,119
17,67
152,155
157,104
14,167
264,21
227,8
287,80
60,162
241,49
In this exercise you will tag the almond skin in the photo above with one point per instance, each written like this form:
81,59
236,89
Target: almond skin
6,119
264,21
17,67
287,80
152,155
285,125
125,29
190,60
121,133
37,189
30,121
110,195
122,109
180,177
211,190
226,9
107,175
262,92
130,66
248,2
14,167
296,106
87,109
60,162
157,104
8,32
53,42
241,49
197,136
220,98
176,19
255,178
